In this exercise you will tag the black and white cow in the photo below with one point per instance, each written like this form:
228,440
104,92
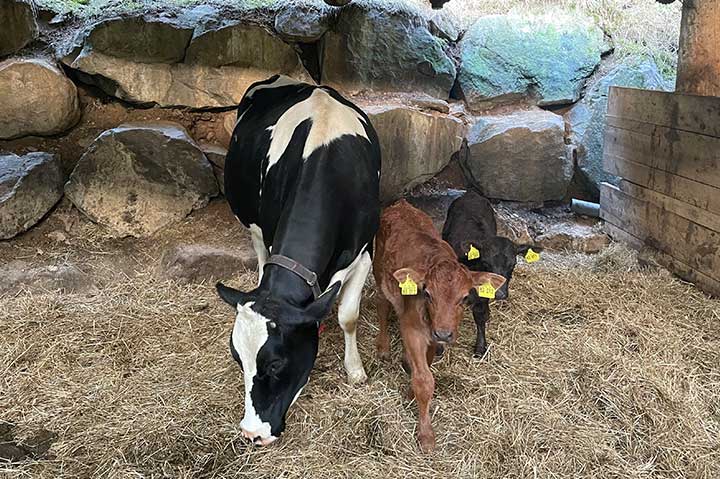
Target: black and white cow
470,223
302,173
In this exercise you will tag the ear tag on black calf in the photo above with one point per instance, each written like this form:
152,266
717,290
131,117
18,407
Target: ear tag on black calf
531,256
473,253
408,287
486,291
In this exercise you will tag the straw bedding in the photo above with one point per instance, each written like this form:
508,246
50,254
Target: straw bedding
596,369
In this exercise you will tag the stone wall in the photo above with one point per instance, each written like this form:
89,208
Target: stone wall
490,96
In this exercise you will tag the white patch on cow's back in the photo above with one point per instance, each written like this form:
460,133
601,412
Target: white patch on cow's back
280,81
249,335
330,120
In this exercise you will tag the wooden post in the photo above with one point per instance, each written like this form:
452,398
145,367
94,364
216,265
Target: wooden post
699,56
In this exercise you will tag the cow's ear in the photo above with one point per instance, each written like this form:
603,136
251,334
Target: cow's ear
320,308
522,249
483,277
232,296
403,274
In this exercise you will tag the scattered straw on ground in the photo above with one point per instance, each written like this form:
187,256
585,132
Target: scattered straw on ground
596,369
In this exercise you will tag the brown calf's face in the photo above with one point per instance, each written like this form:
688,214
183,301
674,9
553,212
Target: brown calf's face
445,286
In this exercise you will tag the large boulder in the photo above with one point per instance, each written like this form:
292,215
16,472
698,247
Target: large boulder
216,156
571,236
213,70
30,186
519,157
393,50
415,145
139,177
36,98
587,117
18,25
507,57
305,23
141,40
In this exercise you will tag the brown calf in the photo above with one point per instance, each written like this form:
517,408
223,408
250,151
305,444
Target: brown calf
409,248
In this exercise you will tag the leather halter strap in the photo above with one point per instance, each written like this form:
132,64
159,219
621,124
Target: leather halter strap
300,270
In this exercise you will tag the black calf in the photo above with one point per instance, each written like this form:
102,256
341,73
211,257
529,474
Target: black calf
470,228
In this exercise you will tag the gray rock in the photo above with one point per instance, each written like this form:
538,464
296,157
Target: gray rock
443,25
30,186
18,26
219,64
587,118
305,23
197,263
415,145
140,39
506,58
518,157
576,237
20,275
36,98
139,177
216,155
377,49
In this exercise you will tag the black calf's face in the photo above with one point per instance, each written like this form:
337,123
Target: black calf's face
497,255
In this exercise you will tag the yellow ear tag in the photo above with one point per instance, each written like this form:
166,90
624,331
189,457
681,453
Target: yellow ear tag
408,287
474,253
486,291
531,256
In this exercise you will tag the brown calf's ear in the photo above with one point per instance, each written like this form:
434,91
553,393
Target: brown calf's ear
417,276
483,277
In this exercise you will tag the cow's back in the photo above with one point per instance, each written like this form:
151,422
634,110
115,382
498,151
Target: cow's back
469,218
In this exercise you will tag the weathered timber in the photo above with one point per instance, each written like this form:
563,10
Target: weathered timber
699,53
682,153
691,192
692,113
693,244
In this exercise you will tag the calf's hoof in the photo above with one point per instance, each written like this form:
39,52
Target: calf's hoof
480,352
427,442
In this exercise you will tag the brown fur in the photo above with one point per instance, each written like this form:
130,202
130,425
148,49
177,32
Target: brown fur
407,244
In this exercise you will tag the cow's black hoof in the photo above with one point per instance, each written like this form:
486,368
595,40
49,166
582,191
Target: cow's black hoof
439,350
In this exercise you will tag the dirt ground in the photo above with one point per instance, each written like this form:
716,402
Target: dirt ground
596,369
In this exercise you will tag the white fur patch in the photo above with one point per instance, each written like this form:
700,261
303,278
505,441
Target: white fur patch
249,335
330,120
256,235
281,81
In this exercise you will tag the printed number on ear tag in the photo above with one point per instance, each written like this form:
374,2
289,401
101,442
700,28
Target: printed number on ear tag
531,256
473,253
486,291
408,287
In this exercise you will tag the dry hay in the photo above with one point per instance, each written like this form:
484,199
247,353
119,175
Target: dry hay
596,369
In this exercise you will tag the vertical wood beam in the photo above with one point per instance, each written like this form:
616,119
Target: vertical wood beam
699,55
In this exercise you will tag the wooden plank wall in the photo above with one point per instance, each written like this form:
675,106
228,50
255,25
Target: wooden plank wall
665,147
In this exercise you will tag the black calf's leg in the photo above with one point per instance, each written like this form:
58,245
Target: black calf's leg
481,314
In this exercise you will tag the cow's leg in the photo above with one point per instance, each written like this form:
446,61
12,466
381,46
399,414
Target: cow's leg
259,247
348,313
382,343
481,314
418,350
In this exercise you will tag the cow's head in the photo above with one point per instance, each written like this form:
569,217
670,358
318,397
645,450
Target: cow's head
497,255
446,286
276,345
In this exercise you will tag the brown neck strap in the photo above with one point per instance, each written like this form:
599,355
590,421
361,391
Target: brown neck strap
300,270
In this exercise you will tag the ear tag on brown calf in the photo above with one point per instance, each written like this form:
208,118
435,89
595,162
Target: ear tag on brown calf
531,256
473,253
408,287
486,291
